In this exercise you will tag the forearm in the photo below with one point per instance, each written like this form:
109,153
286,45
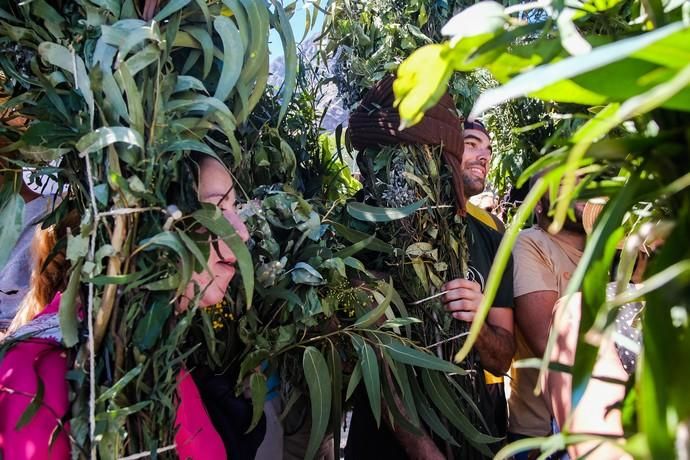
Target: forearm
420,447
496,347
417,446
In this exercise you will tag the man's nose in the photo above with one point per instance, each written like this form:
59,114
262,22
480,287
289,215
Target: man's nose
484,156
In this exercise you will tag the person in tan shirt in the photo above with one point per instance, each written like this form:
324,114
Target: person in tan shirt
543,266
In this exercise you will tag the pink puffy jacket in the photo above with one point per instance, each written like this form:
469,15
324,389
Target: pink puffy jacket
43,358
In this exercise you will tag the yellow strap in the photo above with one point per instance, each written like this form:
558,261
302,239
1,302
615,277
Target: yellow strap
490,378
481,215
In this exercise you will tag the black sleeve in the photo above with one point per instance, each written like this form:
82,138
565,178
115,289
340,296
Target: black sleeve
504,296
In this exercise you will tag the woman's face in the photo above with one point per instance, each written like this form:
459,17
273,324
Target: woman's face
216,187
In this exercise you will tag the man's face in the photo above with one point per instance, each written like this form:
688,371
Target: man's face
475,161
576,225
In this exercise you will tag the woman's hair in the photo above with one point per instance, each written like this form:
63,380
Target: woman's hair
49,274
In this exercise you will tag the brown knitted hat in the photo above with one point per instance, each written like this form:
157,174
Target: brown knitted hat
375,124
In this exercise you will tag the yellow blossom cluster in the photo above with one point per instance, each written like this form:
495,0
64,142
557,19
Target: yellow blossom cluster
221,314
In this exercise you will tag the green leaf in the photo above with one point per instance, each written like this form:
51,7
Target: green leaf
400,322
487,17
370,372
172,6
427,413
335,365
543,76
259,389
120,413
415,357
303,273
251,361
49,134
205,43
118,386
69,61
149,328
233,56
319,383
144,58
436,389
11,216
69,324
287,37
355,248
355,378
368,213
172,241
33,407
105,136
422,80
371,317
212,218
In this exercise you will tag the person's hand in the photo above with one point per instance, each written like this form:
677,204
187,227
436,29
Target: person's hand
462,299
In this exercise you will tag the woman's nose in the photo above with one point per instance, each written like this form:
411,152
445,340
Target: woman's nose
238,224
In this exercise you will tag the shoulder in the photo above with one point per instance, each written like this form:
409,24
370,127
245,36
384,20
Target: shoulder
531,240
485,217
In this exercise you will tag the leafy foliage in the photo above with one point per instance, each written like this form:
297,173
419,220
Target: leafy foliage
368,40
116,100
637,123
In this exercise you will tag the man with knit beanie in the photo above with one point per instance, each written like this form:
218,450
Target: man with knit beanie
374,125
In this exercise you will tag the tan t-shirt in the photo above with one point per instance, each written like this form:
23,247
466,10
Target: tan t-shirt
541,263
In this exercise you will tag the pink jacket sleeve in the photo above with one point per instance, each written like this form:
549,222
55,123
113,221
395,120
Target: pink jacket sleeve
196,438
40,358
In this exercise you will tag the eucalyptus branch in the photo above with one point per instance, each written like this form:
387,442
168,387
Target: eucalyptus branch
92,346
125,211
148,454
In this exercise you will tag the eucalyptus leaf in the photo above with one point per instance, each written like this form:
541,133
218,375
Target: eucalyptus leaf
233,56
103,137
259,389
12,217
371,317
370,373
368,213
413,356
67,60
69,324
34,405
319,382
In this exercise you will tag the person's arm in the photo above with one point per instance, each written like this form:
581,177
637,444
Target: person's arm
496,343
533,317
416,446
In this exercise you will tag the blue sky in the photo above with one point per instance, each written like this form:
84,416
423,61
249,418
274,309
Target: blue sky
298,22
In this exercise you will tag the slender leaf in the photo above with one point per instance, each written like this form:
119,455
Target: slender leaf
371,317
415,357
259,387
33,407
69,324
368,213
105,136
319,383
233,56
11,216
118,386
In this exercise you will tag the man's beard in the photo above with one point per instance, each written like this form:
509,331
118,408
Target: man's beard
472,186
576,225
